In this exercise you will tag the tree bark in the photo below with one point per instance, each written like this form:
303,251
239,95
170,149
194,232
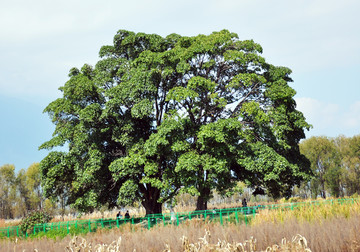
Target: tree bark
150,202
153,208
201,203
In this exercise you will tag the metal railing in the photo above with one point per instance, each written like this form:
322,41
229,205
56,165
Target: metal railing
223,216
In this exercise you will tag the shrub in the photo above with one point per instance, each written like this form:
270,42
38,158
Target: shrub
61,233
294,199
35,217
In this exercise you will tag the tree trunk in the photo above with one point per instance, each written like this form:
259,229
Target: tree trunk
323,194
201,203
150,202
153,208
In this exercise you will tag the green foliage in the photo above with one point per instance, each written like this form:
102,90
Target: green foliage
349,151
7,190
61,233
157,115
35,217
19,192
335,162
325,163
3,236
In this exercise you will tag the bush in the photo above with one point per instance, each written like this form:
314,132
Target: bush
61,233
295,199
35,217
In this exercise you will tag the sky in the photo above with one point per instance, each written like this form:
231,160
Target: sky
40,41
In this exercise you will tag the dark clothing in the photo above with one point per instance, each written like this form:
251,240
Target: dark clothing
127,215
244,203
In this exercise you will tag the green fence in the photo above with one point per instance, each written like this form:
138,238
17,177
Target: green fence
223,216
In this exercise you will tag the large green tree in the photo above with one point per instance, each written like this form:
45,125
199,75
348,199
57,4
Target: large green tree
157,115
105,117
241,118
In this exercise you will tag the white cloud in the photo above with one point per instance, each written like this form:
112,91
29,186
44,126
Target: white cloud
318,112
330,119
352,117
41,40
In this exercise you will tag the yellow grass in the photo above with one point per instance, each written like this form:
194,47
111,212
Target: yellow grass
323,227
332,234
315,212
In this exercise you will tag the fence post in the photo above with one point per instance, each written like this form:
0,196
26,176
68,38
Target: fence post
177,219
117,222
89,223
236,216
17,231
148,222
8,232
221,219
67,227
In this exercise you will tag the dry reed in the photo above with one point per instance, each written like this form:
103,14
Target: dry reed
335,234
331,227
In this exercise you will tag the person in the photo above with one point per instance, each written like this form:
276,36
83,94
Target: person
244,203
127,215
172,215
118,215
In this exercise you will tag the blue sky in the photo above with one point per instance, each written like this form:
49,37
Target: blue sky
40,41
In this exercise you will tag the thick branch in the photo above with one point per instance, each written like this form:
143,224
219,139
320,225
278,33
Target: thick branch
237,108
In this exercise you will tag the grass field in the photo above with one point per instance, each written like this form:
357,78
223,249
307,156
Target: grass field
330,227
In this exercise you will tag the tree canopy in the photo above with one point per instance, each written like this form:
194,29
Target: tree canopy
158,115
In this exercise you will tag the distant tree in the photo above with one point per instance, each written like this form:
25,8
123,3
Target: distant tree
7,191
325,163
49,207
33,183
23,202
348,148
157,115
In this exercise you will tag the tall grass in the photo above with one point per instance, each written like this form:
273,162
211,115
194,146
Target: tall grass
326,227
318,212
331,234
